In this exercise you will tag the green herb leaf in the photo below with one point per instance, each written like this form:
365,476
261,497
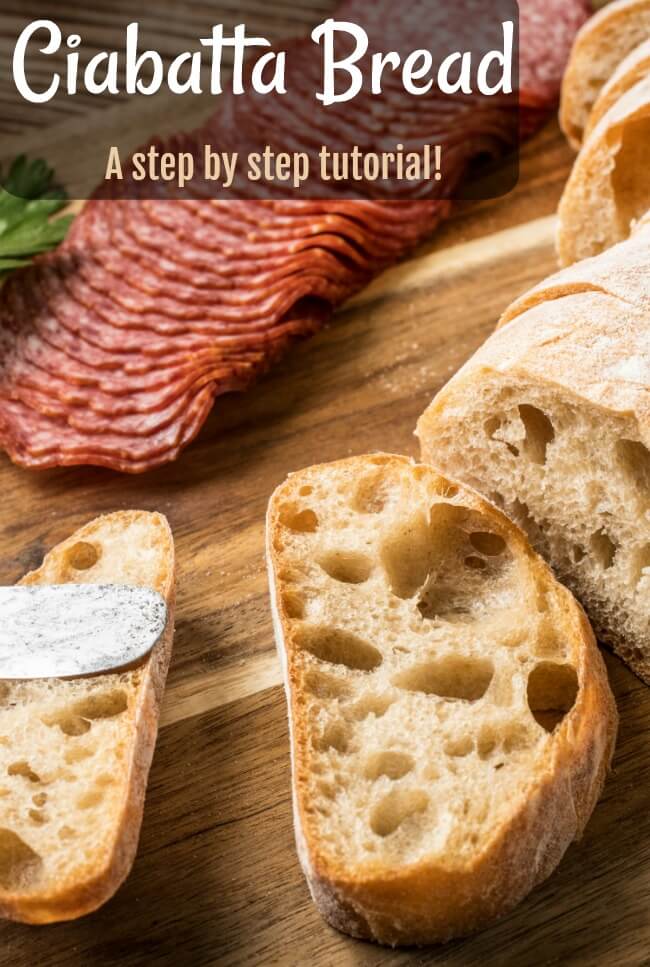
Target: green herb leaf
29,198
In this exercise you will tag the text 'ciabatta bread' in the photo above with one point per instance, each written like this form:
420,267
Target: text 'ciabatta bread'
75,754
599,48
608,190
551,420
451,721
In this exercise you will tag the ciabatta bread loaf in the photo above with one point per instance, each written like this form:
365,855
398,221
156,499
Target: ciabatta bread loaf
634,68
450,717
551,420
75,754
609,187
621,271
599,48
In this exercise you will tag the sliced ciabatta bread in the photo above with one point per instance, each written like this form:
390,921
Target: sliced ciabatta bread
450,717
551,420
629,72
75,754
599,48
609,188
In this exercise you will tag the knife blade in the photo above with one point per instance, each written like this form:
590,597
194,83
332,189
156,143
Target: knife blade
72,630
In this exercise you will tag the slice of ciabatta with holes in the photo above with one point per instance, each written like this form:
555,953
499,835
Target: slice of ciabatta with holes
551,420
629,72
609,188
450,717
75,754
599,48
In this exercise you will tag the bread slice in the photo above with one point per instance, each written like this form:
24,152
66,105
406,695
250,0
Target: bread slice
599,48
551,420
75,754
450,717
629,72
609,187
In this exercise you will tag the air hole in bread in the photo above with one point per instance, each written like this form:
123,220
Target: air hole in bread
348,567
395,808
493,426
82,556
453,677
459,579
339,647
641,563
443,488
629,178
19,863
578,553
102,705
459,747
394,765
513,637
539,432
90,799
23,768
301,521
306,491
516,738
293,604
37,816
68,722
487,742
376,705
372,491
485,542
552,692
475,563
39,799
634,457
603,549
66,832
320,685
336,735
407,556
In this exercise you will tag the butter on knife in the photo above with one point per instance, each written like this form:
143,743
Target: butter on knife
72,630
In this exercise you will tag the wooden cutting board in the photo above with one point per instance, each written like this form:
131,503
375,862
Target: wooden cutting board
216,880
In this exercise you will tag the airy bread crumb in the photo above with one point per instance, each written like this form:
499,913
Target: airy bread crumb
550,420
74,754
450,716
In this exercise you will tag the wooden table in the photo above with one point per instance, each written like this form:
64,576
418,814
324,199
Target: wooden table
216,880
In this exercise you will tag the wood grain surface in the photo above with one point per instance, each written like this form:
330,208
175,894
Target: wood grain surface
216,880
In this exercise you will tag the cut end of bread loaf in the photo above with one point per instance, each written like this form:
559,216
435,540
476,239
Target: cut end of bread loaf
74,754
575,477
450,716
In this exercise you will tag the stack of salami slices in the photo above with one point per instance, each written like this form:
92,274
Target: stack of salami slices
114,347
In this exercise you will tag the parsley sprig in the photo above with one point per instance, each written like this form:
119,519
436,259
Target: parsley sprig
29,198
